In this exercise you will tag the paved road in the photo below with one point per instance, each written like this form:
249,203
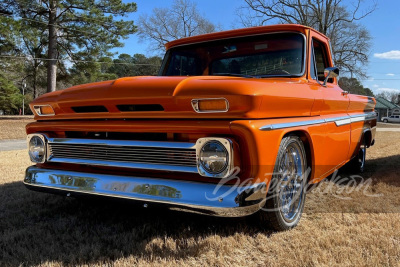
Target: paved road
14,144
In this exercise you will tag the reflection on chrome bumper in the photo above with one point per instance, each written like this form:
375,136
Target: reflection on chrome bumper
204,198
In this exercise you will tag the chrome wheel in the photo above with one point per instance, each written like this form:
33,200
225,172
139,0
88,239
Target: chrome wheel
357,164
291,187
286,195
361,157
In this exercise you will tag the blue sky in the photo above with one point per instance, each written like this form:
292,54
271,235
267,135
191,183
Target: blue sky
383,24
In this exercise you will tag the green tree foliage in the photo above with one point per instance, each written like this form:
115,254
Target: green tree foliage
7,34
71,29
136,65
108,69
353,86
10,97
91,71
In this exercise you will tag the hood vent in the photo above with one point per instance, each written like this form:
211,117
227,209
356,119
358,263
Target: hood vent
141,107
89,109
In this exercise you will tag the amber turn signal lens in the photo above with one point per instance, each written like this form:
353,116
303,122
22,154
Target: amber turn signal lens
45,110
210,105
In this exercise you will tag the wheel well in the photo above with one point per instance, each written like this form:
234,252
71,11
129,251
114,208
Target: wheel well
307,147
367,136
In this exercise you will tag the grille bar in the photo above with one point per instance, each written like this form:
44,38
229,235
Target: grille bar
128,159
106,154
168,156
121,148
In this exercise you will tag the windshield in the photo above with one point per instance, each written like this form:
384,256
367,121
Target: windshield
280,54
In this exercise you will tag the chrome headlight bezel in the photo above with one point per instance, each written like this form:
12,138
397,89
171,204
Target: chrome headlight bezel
227,146
43,139
37,109
196,103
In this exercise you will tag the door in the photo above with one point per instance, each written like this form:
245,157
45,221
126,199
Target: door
334,109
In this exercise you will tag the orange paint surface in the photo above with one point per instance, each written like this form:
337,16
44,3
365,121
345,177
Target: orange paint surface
253,103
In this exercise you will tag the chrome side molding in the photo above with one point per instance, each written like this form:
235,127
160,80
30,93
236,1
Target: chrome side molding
339,121
290,124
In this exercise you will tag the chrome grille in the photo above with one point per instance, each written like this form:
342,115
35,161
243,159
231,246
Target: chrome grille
169,156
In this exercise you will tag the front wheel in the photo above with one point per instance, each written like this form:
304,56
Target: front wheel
385,120
286,196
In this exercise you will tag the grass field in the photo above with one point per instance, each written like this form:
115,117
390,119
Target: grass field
340,227
13,127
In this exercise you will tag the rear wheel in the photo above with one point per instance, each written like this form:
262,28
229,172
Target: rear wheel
357,164
286,196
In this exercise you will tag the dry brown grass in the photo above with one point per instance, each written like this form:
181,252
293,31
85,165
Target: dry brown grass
388,125
48,230
11,128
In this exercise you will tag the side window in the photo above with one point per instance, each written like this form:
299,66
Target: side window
313,73
321,60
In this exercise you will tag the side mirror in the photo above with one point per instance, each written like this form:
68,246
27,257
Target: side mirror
330,72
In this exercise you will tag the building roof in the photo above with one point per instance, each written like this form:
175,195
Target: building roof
385,104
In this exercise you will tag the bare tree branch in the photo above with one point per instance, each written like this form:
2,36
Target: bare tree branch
350,41
168,24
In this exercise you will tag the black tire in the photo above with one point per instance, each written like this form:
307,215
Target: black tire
385,120
287,185
357,164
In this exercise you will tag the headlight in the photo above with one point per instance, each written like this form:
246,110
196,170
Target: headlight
37,148
214,157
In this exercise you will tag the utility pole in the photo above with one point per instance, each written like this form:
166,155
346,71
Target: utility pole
23,98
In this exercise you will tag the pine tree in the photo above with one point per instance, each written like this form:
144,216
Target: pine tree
74,29
10,97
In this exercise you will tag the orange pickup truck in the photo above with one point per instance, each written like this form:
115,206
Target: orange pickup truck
236,123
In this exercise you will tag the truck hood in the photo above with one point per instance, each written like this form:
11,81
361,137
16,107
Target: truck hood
170,97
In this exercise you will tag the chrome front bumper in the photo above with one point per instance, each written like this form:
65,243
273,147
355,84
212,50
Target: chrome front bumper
203,198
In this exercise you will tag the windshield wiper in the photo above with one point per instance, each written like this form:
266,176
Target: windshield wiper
233,74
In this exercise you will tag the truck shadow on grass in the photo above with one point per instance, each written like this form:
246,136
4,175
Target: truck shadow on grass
39,228
380,170
376,190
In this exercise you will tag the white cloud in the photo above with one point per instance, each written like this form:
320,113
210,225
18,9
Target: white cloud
388,90
394,54
375,86
390,74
